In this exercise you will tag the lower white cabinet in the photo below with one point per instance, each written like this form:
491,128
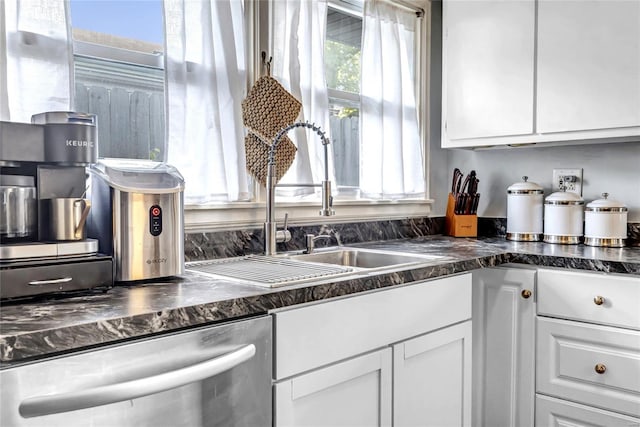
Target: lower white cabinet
356,392
588,349
432,379
592,364
503,347
400,356
557,412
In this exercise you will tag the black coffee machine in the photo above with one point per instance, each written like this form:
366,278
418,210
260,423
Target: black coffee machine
42,167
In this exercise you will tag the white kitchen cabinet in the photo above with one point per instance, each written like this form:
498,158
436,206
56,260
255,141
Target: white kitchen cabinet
356,392
432,379
540,71
488,52
587,348
588,66
333,364
503,347
320,334
556,412
605,299
591,364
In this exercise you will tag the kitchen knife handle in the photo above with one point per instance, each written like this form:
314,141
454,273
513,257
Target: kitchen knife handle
103,395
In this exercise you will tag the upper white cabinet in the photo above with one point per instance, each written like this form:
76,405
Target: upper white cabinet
488,68
588,65
526,71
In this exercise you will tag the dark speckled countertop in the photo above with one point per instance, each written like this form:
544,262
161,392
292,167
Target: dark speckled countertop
31,330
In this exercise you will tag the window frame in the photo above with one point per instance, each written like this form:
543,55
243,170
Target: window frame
240,215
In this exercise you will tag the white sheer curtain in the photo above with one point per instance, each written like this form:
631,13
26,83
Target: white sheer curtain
391,158
205,84
299,28
36,58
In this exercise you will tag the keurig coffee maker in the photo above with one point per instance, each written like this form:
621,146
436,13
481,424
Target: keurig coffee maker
43,210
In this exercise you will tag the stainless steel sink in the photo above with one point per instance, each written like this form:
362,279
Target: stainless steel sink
289,269
364,258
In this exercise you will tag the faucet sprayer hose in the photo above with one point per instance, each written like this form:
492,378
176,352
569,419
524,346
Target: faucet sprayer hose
285,130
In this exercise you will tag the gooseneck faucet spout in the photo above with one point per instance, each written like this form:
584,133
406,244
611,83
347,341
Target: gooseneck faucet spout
271,234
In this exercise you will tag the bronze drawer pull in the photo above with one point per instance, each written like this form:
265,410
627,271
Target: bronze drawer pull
526,293
598,300
600,368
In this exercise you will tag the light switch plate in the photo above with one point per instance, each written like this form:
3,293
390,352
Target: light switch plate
570,178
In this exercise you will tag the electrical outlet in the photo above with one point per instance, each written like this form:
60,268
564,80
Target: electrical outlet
571,179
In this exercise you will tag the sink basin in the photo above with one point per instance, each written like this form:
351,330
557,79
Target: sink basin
290,269
364,258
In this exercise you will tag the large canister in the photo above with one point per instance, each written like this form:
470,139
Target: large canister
563,218
524,211
605,223
70,137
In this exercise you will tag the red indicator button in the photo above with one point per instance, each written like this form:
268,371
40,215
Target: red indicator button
155,220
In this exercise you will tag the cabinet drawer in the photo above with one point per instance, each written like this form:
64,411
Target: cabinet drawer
555,412
590,297
319,334
591,364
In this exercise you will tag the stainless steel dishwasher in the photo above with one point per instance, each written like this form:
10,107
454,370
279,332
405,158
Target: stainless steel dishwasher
211,376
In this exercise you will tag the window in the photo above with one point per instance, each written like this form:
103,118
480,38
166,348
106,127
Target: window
119,74
342,70
363,157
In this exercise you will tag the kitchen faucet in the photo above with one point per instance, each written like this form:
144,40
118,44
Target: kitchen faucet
310,239
271,234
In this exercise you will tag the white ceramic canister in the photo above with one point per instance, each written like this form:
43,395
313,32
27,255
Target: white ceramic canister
524,211
563,218
605,223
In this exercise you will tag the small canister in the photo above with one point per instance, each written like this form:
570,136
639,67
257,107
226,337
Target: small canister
524,211
563,218
605,223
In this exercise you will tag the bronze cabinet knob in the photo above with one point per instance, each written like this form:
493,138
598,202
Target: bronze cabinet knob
526,293
600,368
598,300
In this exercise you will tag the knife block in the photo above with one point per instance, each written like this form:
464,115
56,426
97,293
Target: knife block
459,225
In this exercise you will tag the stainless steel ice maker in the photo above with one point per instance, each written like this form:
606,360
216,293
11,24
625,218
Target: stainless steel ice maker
137,217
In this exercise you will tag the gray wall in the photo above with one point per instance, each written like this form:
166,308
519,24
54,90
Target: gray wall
611,168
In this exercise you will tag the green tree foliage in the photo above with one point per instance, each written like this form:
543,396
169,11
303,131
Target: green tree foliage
342,66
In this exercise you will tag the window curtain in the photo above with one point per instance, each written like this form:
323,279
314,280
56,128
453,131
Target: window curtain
36,58
206,71
299,28
391,155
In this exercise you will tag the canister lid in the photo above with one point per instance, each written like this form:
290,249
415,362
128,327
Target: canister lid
563,198
525,187
606,205
139,176
64,117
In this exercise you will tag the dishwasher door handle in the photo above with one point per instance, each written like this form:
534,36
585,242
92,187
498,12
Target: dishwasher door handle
103,395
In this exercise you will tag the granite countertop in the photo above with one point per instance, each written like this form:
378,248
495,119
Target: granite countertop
34,329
